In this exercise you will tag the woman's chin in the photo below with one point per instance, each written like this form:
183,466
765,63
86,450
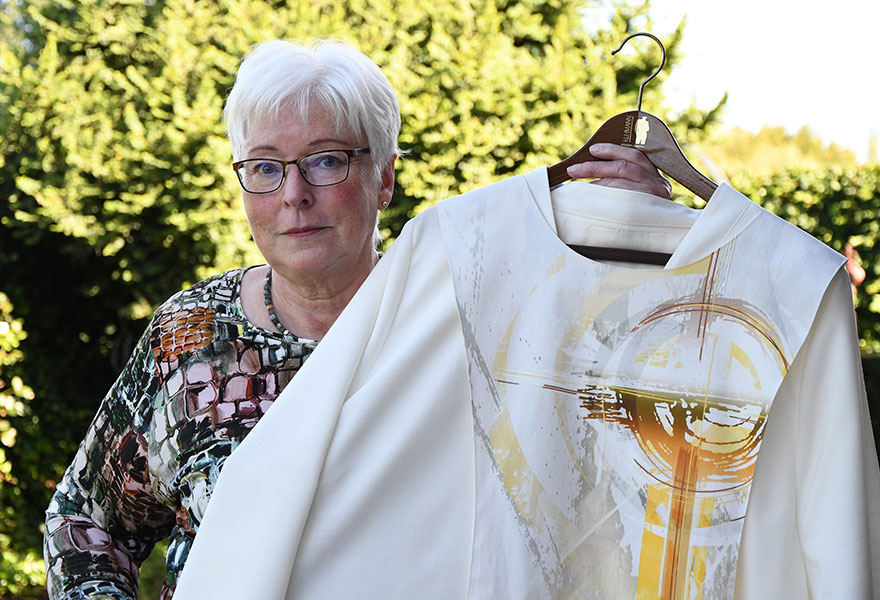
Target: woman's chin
320,262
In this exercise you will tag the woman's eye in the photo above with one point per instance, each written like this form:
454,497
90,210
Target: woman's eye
266,168
328,161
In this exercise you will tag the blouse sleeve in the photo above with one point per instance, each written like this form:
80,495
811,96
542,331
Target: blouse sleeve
104,518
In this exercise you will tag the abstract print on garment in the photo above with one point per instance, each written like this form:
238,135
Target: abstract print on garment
198,381
619,411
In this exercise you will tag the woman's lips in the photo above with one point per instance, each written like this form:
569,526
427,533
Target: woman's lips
300,232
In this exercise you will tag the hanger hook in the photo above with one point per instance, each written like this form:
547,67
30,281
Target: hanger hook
662,60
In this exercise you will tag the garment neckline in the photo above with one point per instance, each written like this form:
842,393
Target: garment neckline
239,307
727,214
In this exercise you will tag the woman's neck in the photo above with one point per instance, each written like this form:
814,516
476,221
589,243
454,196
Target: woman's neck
306,306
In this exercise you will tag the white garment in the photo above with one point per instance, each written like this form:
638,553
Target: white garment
369,491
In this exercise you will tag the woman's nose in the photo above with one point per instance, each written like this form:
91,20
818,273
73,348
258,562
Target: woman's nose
296,191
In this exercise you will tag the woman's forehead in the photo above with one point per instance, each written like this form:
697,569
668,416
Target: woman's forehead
289,130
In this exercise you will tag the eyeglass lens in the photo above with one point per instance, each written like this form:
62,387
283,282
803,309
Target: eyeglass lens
265,175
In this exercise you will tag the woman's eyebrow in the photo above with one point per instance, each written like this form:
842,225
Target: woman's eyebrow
309,144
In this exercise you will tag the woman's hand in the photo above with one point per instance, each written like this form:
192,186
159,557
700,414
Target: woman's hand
622,167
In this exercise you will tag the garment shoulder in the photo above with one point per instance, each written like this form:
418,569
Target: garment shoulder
506,190
796,245
184,323
193,318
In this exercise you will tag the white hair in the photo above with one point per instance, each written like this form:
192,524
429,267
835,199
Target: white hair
339,78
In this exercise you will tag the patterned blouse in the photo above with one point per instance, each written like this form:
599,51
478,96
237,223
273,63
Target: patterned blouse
198,381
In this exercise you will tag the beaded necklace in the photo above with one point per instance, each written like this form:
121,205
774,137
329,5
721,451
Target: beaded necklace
270,307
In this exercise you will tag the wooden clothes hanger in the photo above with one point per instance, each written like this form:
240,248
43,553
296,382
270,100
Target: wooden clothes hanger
645,132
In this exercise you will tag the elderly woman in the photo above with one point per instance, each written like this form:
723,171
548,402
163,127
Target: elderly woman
314,136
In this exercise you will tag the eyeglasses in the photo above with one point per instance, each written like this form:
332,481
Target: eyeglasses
266,175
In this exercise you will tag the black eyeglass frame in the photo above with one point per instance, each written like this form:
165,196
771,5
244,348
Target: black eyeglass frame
349,152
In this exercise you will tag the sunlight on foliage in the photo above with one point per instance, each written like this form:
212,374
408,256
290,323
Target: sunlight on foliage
21,570
772,150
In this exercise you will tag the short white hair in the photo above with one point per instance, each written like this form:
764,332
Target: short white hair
338,77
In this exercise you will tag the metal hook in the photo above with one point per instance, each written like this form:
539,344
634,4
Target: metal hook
654,74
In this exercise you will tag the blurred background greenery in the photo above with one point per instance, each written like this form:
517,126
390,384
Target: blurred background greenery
116,187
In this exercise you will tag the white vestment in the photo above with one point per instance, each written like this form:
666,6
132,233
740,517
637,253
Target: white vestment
496,416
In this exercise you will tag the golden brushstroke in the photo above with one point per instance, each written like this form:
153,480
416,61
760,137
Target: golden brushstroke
665,423
653,539
689,446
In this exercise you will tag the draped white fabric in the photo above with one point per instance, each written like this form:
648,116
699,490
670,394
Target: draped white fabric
414,456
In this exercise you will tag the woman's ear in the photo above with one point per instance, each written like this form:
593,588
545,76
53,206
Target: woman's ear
386,185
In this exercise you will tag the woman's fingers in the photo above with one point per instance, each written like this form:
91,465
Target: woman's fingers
622,167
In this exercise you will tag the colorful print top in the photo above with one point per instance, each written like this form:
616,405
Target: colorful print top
198,381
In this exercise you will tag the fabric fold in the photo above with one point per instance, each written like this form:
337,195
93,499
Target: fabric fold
341,489
276,469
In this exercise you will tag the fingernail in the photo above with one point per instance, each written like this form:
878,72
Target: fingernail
600,148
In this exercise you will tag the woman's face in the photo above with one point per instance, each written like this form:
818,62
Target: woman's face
309,233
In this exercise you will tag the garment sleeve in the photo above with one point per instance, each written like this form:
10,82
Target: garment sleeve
838,498
104,517
813,524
